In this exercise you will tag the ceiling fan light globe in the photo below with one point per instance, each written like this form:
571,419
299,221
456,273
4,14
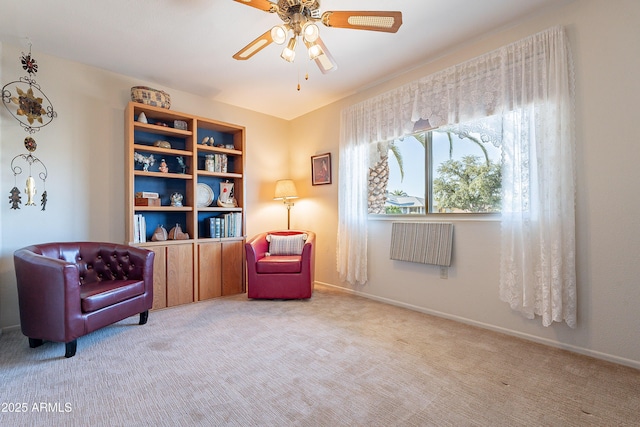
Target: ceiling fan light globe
279,34
315,51
288,55
289,52
310,32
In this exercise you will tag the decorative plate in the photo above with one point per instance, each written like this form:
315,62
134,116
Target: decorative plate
205,195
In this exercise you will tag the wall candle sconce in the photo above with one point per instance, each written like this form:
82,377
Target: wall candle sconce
285,191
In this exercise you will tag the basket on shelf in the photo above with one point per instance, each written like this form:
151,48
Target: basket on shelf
149,96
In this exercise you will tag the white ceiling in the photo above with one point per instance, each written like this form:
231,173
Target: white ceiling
188,44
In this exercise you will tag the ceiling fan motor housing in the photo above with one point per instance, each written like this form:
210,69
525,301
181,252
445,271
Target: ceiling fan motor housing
307,8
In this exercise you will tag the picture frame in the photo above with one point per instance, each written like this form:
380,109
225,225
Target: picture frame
321,169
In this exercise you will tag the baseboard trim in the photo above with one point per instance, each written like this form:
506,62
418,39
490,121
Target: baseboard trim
575,349
10,328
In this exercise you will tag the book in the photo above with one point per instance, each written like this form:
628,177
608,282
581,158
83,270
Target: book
225,225
211,226
143,229
139,229
136,229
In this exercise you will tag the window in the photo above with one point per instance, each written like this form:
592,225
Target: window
455,169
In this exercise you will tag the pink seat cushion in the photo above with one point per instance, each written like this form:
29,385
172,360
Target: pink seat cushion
97,295
279,264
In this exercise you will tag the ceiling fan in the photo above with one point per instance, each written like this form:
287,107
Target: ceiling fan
300,17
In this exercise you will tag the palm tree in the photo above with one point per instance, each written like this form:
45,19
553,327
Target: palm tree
471,138
379,175
378,180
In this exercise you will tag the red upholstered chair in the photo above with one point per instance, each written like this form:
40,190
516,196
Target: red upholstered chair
282,268
66,290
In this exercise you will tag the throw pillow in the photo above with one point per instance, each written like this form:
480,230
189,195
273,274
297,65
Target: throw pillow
286,245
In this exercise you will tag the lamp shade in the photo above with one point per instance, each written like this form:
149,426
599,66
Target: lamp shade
285,189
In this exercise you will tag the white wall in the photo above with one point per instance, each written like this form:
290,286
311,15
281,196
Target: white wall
83,150
604,38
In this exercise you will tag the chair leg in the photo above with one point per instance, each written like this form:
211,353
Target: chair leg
35,342
144,316
71,348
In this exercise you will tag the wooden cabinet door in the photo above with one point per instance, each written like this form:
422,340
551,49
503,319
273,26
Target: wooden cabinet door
209,278
179,274
232,267
159,277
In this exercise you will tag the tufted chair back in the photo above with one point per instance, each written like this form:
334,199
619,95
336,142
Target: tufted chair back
95,261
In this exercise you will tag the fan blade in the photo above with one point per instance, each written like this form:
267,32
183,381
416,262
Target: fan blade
254,47
388,22
265,5
325,62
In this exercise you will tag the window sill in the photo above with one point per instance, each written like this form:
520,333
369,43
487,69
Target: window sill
446,217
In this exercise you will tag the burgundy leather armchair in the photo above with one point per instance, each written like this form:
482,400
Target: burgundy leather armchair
67,290
278,275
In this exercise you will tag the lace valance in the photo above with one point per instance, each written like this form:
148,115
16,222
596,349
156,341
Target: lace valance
506,78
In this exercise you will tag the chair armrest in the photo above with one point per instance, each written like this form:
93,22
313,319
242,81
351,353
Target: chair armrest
308,256
142,261
48,296
257,247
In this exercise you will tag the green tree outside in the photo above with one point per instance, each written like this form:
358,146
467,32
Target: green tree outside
468,185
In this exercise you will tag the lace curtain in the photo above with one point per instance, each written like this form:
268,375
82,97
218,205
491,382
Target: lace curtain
529,83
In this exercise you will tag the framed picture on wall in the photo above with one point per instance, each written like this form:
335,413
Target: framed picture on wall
321,169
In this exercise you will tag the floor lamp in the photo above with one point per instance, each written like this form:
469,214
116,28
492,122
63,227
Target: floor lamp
285,191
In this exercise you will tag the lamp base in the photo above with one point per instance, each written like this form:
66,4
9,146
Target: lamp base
288,214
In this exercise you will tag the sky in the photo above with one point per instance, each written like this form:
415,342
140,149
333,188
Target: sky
414,160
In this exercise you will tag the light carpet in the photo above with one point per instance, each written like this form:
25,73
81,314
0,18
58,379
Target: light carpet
334,360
